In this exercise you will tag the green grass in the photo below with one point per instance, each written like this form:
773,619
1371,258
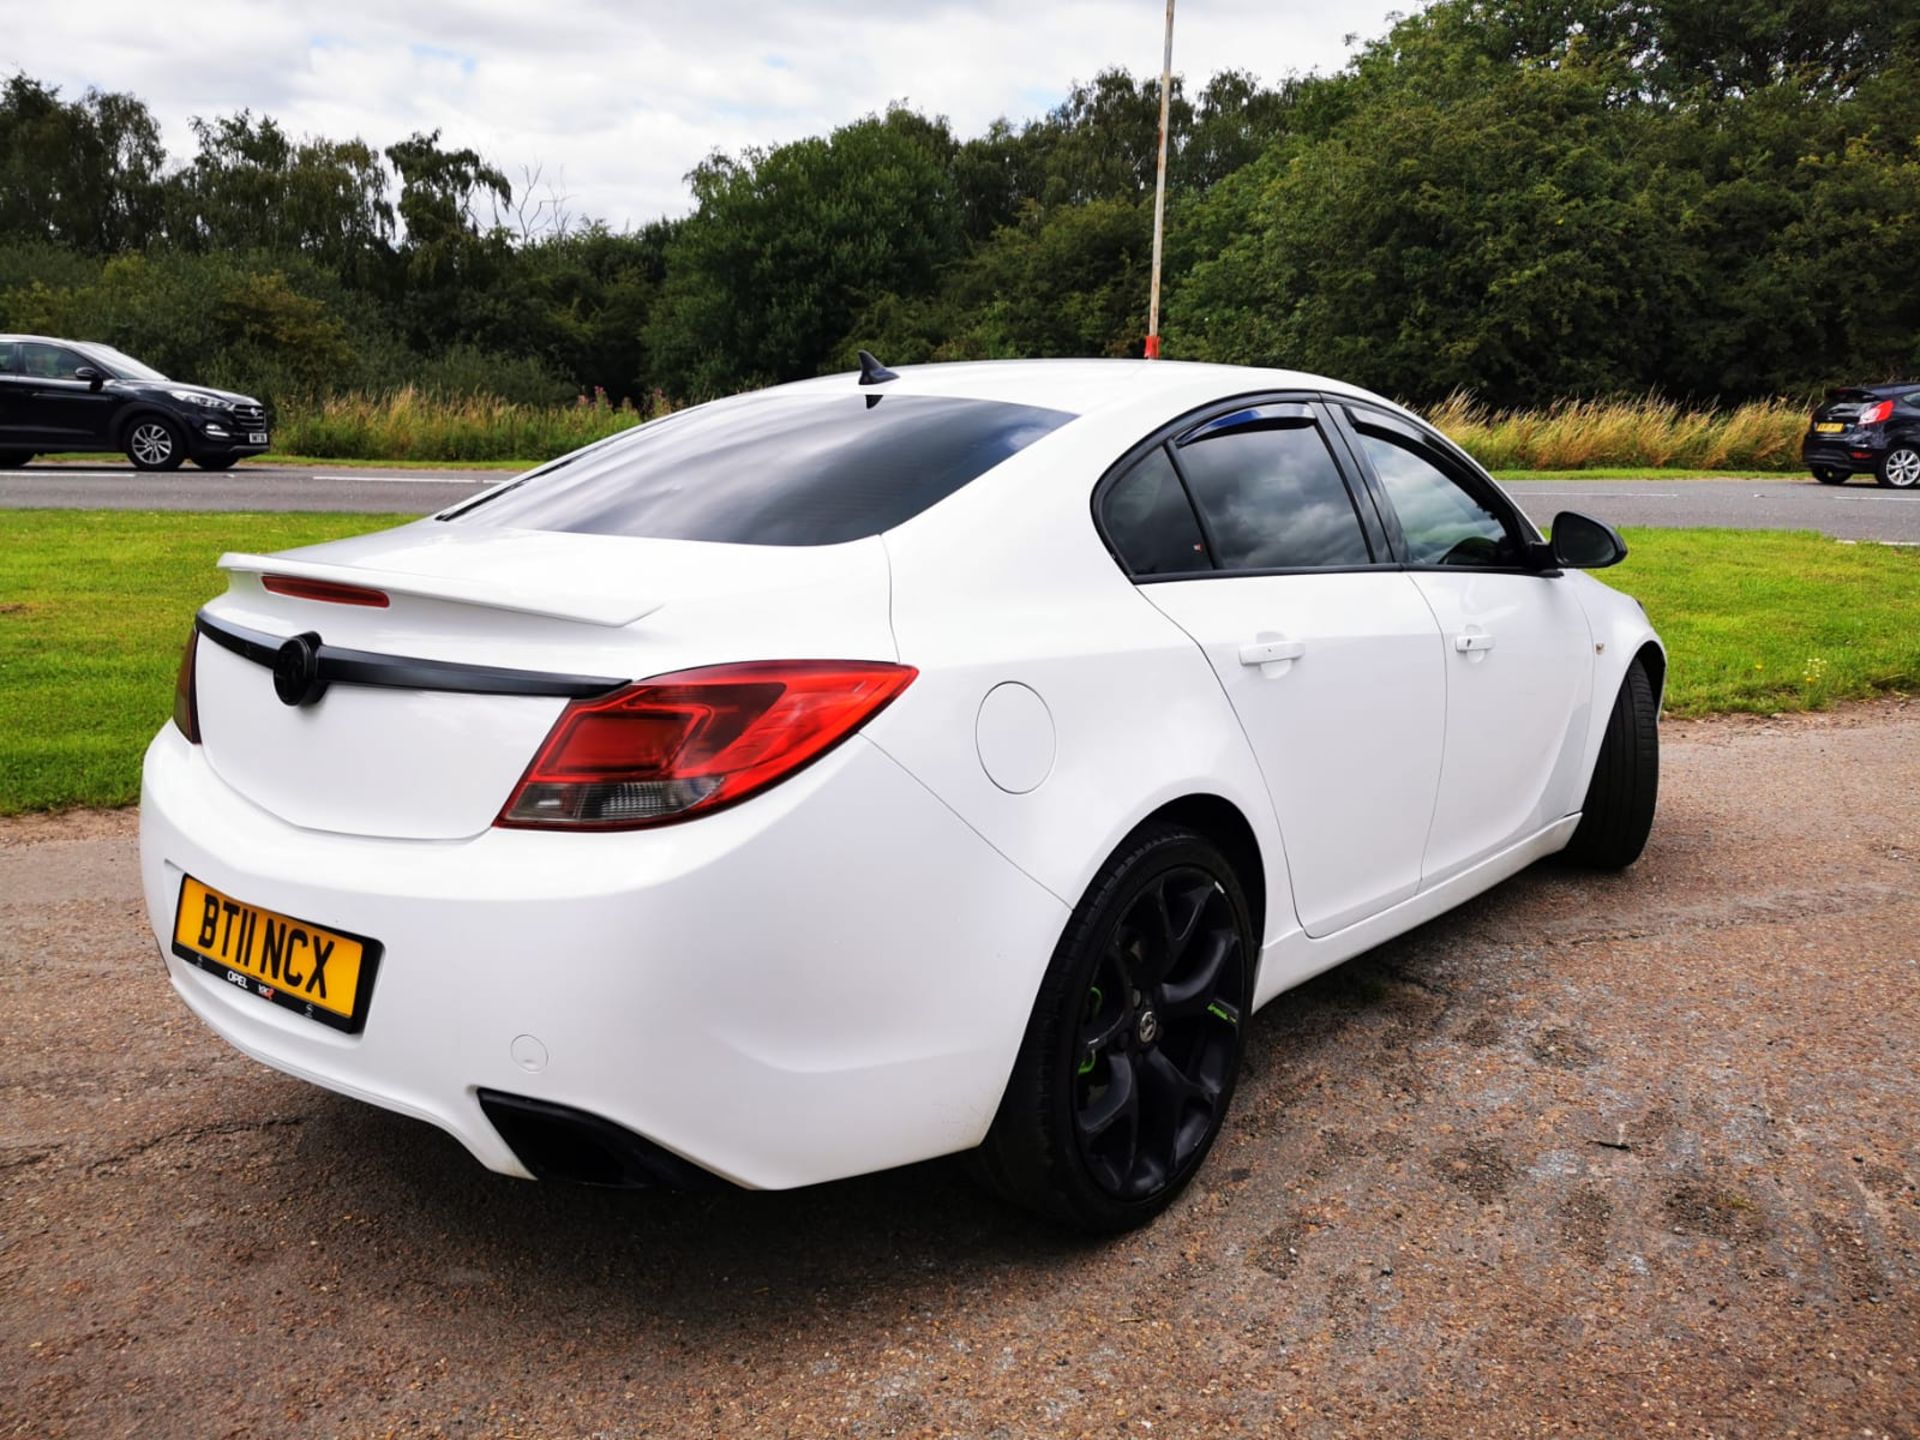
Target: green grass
1766,620
95,606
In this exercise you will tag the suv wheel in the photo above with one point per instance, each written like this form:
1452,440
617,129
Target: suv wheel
1129,1061
1826,475
154,444
1900,467
14,459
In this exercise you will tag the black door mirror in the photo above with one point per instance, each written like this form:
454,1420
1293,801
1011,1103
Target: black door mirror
1581,542
92,376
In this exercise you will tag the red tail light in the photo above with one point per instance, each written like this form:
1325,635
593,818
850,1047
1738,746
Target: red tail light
332,591
689,743
1874,414
186,699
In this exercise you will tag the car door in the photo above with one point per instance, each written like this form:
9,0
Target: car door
62,412
1517,647
13,398
1244,530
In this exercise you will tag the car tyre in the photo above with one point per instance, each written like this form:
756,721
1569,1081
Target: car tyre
1618,813
1900,467
1826,475
216,462
14,459
1127,1069
155,444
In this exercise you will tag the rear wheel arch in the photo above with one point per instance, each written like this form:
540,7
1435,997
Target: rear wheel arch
1222,822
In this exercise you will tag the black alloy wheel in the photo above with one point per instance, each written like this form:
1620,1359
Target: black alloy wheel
1129,1062
1159,1035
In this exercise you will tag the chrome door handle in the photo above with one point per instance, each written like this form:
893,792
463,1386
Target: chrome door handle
1267,651
1465,643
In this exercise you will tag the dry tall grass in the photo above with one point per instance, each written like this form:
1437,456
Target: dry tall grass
1584,434
1571,435
411,424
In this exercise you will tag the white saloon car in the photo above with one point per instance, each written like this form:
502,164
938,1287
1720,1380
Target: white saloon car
884,766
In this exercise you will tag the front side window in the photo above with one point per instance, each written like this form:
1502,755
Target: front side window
1443,523
773,468
1273,498
49,362
1150,523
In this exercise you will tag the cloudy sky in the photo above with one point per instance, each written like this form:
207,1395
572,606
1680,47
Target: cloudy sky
618,99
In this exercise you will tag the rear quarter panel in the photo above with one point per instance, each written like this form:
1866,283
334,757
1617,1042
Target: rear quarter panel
1008,581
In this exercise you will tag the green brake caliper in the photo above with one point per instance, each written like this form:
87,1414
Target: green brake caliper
1094,998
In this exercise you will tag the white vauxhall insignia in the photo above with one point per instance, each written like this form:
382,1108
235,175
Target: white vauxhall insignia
884,766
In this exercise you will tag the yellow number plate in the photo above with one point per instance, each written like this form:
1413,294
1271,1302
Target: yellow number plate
1828,427
325,975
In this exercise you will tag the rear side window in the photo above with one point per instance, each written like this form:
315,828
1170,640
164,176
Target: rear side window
1149,521
773,469
1443,522
1273,498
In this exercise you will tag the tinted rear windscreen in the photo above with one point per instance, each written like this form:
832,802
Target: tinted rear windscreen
773,469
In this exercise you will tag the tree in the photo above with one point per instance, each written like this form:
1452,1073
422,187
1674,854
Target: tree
787,246
84,174
249,187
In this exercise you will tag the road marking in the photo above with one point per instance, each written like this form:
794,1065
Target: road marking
351,479
32,475
1549,488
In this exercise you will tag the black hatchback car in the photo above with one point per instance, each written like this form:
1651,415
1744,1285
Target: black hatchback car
1866,429
67,395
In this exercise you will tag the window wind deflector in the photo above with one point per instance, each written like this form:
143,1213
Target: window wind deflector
1286,415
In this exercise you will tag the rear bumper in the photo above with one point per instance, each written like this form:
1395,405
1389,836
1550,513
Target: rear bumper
1855,451
829,980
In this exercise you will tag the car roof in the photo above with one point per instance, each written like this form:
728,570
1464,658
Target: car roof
1083,387
45,340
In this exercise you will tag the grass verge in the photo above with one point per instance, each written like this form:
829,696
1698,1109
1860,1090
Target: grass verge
95,605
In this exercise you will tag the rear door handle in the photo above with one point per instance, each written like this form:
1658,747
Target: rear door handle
1265,652
1472,642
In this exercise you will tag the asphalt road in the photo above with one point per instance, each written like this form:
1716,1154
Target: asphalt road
1857,511
1595,1155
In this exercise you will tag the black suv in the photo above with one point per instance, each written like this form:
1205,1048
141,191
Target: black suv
60,395
1866,428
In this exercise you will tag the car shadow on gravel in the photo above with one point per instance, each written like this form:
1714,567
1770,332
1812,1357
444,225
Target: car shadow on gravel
890,1241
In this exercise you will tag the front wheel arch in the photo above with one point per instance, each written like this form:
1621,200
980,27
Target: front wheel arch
1655,659
124,425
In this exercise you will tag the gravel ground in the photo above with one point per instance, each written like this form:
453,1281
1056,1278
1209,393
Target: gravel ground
1593,1155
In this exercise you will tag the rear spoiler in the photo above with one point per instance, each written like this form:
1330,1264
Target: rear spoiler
612,611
